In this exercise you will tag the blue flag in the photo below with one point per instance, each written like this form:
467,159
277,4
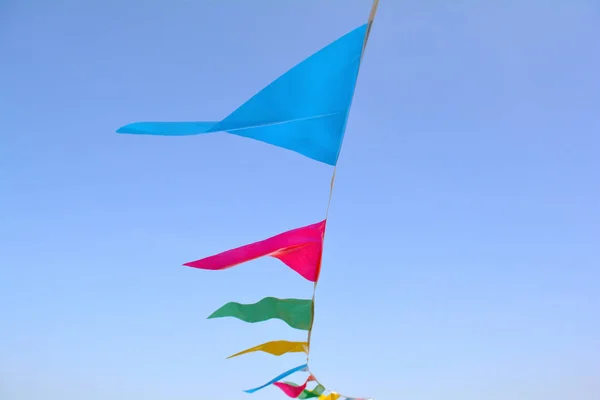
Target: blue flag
305,110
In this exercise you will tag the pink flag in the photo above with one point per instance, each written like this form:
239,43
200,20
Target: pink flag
291,390
300,249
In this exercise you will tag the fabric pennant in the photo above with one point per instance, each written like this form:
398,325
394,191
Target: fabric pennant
330,396
291,390
278,378
304,110
296,313
309,394
277,348
300,249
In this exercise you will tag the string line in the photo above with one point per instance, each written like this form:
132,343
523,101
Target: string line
370,23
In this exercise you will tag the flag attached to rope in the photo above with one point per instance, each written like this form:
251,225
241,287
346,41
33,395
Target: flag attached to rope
300,249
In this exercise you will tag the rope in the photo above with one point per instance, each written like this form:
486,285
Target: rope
370,23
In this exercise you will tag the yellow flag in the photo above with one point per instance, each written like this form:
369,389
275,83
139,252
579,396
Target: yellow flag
330,396
277,348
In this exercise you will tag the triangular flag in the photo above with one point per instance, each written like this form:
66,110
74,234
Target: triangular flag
330,396
309,394
300,249
278,378
304,110
297,313
277,348
292,391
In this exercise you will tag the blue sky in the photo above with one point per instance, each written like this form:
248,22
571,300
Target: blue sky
462,257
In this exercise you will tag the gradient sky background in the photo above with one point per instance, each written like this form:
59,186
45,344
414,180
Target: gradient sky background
462,258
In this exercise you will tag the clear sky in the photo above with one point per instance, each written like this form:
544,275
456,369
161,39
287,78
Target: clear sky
462,259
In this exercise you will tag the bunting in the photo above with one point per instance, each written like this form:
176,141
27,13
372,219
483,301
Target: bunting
277,348
305,110
316,392
300,249
294,312
303,367
293,390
